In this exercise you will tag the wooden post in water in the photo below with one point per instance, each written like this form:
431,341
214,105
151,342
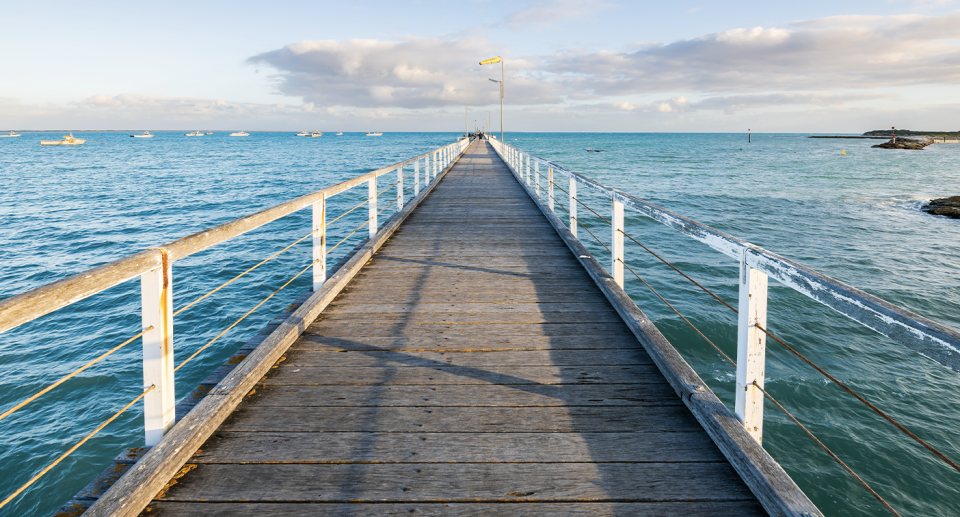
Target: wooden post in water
751,348
319,243
156,294
748,136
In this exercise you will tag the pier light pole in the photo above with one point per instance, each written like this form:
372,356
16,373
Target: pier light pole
489,123
489,62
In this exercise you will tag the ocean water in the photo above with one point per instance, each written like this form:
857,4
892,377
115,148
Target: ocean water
854,217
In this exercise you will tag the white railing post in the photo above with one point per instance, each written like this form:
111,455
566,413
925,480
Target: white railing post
400,188
751,348
550,188
416,178
434,170
319,243
617,255
573,205
527,157
372,219
156,292
536,176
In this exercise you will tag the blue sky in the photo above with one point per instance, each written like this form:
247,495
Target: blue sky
572,65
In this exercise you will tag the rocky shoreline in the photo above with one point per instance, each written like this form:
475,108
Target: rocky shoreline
945,206
903,143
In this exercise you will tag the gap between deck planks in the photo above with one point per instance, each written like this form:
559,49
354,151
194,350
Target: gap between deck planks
471,365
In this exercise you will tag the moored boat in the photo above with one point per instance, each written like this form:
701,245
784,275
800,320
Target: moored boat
374,133
339,133
10,135
303,133
316,134
209,133
240,133
67,140
145,134
195,133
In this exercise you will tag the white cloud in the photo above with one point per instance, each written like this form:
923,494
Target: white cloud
413,73
850,52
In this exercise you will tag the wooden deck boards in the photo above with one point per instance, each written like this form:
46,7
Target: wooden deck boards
471,368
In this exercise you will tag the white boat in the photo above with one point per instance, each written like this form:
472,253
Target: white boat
67,140
303,133
316,134
145,134
339,133
10,135
375,133
195,133
240,133
209,132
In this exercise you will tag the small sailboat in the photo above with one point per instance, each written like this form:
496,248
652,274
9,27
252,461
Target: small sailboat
67,140
303,133
145,134
316,134
240,133
374,133
10,135
195,133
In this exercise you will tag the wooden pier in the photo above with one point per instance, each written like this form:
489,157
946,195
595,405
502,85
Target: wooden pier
471,366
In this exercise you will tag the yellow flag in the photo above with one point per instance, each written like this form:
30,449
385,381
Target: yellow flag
490,61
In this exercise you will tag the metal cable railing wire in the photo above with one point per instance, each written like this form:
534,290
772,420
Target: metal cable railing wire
823,372
827,450
63,379
63,456
228,282
725,356
820,370
235,323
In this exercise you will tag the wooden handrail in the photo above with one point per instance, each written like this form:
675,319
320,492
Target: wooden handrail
30,305
929,338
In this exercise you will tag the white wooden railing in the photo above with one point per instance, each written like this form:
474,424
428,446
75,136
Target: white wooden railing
756,266
154,269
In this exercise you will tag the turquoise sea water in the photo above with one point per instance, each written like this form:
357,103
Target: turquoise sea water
855,218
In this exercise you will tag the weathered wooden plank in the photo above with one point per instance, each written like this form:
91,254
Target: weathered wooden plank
428,395
347,306
414,294
492,282
404,264
526,509
463,343
248,447
466,482
136,488
320,375
775,490
617,357
602,331
469,318
430,419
